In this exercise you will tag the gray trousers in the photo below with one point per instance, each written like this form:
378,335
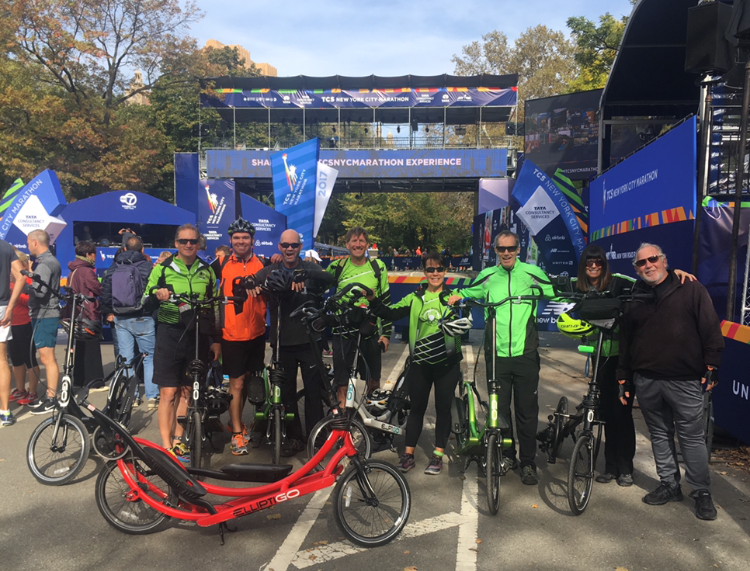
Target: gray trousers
671,407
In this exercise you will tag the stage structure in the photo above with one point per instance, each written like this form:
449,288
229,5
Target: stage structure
383,134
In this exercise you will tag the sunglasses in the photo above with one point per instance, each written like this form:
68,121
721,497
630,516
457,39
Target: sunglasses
286,245
434,269
503,249
650,260
591,262
185,241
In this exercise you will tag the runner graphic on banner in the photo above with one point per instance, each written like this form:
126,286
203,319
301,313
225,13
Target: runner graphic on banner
216,209
293,173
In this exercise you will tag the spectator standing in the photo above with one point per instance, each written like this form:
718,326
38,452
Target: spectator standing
88,353
123,287
9,265
44,310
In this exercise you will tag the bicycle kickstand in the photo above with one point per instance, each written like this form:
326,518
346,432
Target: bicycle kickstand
224,527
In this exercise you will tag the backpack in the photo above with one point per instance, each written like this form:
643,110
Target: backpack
127,288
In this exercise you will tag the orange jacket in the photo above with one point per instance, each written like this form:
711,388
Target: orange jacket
251,323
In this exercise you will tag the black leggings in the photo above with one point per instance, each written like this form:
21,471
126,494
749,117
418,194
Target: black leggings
420,378
619,430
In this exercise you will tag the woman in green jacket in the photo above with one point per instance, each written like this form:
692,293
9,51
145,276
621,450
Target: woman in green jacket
435,357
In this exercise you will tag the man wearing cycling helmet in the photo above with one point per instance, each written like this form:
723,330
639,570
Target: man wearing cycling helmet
435,349
299,282
184,273
243,343
517,341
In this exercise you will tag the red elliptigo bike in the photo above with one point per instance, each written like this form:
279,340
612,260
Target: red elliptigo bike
146,488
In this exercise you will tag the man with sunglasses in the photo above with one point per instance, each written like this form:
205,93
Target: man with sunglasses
307,281
670,346
517,342
184,273
243,342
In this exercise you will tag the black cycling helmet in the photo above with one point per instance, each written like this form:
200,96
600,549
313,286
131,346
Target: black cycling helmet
241,225
279,280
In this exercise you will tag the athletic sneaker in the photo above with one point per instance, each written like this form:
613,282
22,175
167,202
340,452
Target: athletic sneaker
28,399
181,452
528,476
406,463
153,404
327,353
44,405
663,494
704,505
7,419
435,465
239,446
243,428
16,395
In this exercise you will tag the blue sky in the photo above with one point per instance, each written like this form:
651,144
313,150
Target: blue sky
387,37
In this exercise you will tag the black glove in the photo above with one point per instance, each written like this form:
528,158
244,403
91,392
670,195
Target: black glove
299,276
626,387
711,376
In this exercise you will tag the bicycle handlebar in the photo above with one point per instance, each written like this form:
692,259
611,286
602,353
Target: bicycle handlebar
512,298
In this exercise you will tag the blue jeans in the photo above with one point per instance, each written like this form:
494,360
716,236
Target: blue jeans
143,330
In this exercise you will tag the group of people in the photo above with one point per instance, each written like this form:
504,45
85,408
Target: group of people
667,349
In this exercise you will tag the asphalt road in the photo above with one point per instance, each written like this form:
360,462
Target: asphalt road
449,528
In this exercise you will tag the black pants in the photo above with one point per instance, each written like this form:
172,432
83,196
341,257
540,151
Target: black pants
291,358
419,379
518,378
619,430
368,366
88,362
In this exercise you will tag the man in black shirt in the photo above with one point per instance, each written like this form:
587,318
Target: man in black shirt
670,345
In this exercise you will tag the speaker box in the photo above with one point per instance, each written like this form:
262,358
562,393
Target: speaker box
707,50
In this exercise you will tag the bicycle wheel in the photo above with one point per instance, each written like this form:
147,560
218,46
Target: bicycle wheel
371,503
108,446
122,509
492,471
195,439
55,459
460,420
320,433
581,474
276,437
562,409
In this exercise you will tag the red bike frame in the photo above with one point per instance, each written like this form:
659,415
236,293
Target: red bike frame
248,500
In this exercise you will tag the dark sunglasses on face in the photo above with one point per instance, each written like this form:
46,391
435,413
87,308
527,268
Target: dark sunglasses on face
591,262
286,245
650,260
185,241
503,249
433,269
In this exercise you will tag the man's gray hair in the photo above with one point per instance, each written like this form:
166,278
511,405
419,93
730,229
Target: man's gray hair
647,245
506,234
40,236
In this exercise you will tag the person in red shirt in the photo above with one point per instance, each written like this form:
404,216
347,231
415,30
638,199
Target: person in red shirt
21,345
243,342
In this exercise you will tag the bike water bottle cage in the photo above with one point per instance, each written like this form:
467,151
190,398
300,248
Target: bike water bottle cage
279,280
241,225
573,328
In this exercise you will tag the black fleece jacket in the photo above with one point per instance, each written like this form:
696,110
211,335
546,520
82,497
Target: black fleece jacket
673,336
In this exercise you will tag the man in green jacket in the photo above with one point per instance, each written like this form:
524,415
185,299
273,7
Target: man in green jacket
517,344
184,273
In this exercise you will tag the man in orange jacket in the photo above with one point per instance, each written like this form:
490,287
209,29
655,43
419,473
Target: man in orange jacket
243,343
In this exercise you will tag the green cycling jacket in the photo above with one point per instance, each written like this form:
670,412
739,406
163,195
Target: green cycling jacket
198,278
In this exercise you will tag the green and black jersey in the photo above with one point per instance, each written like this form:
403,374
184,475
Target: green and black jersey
199,278
346,273
427,343
515,332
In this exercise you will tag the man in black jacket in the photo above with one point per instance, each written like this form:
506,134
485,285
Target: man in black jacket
295,351
133,324
670,345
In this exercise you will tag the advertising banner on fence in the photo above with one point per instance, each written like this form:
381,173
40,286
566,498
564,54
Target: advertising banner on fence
452,163
294,174
494,193
364,98
325,181
216,209
732,394
654,186
551,219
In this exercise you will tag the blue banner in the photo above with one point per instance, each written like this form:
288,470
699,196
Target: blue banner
732,395
268,223
654,186
487,226
453,163
45,187
364,98
551,219
294,171
216,210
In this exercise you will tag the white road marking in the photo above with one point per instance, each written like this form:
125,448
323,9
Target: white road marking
466,553
398,367
293,541
330,552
